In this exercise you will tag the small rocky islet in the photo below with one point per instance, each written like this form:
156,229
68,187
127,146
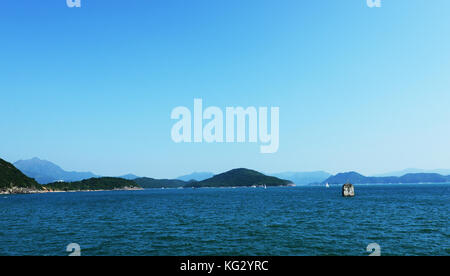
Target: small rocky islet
348,190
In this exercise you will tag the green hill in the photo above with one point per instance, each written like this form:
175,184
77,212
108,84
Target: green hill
14,181
240,178
94,184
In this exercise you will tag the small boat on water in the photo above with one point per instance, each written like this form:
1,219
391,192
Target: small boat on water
327,185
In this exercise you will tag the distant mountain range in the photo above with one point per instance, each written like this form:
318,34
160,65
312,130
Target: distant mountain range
45,172
13,181
356,178
129,176
197,176
410,171
303,178
233,178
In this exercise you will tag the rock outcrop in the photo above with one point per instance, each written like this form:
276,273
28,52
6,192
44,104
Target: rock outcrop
348,190
19,190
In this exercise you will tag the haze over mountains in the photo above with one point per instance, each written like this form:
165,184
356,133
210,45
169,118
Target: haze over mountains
45,172
303,178
197,176
356,178
411,170
129,176
13,181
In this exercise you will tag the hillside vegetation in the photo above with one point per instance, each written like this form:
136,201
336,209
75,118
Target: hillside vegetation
14,181
94,184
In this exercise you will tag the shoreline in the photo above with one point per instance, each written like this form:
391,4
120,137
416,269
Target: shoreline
26,191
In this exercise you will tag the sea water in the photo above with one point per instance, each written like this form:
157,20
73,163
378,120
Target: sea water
401,219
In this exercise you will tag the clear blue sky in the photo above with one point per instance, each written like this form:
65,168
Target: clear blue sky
358,88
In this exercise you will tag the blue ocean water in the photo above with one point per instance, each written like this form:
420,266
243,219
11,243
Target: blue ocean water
402,219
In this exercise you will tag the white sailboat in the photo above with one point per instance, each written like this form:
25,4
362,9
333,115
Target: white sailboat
327,185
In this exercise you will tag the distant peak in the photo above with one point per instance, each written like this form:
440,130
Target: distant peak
241,170
350,173
34,159
198,176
